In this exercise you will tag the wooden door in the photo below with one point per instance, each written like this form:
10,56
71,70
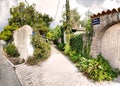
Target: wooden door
110,45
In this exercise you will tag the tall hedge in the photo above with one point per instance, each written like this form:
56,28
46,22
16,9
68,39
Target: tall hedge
76,43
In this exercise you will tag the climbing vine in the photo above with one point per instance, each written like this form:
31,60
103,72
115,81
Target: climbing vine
89,34
76,43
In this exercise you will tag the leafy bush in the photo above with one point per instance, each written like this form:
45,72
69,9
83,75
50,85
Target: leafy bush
97,69
61,46
75,58
50,35
67,49
11,50
41,47
54,34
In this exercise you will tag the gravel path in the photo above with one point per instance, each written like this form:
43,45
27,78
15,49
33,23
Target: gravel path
57,70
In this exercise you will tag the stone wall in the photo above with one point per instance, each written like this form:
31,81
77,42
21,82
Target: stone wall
106,36
107,19
22,40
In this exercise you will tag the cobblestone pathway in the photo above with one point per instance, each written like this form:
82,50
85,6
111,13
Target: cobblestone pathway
56,71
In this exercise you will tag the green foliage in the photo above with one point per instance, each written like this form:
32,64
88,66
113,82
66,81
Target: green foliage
62,34
27,15
97,69
67,49
50,36
7,33
88,26
54,34
61,46
57,32
89,34
11,50
41,48
74,57
71,19
76,43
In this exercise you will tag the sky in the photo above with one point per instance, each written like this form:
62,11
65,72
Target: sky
50,7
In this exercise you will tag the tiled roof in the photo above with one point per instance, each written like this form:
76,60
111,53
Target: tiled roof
105,12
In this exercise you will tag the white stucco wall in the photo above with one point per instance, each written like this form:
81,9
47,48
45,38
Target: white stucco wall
22,40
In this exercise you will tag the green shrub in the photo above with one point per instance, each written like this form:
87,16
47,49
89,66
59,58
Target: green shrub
6,34
11,50
72,53
50,36
67,49
41,48
61,46
97,69
54,34
75,58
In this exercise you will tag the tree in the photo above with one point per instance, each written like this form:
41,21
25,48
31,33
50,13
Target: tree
68,27
54,34
74,18
25,15
74,22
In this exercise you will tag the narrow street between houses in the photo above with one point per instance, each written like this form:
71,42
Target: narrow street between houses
57,70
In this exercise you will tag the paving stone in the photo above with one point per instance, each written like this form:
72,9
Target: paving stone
57,70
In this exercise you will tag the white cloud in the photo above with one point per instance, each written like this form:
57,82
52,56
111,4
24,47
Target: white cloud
110,4
50,8
4,11
96,8
80,8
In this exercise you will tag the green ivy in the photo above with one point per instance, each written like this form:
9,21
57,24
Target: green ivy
76,43
61,46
